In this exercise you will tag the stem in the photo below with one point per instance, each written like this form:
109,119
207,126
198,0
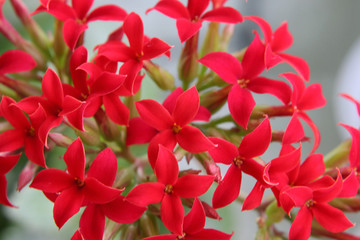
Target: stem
338,155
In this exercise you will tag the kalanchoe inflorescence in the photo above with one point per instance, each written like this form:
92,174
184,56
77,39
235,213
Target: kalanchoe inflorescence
137,166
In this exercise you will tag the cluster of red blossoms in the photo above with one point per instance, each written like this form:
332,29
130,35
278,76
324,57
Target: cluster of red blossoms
54,96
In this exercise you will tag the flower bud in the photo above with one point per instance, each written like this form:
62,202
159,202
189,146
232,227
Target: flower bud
60,139
274,213
214,100
188,62
26,175
130,233
124,177
108,129
159,75
91,134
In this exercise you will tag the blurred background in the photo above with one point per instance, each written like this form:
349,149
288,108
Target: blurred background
326,34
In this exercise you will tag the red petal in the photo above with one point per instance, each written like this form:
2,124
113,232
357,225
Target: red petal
241,104
193,140
13,61
52,88
97,192
146,193
276,88
313,92
79,77
70,105
122,211
72,31
192,185
106,83
197,7
173,9
210,234
187,29
13,114
332,219
223,15
187,106
154,114
92,223
162,237
154,48
299,195
61,11
224,152
314,129
165,138
301,227
3,192
67,204
116,51
298,63
228,189
107,13
194,221
203,114
139,132
34,150
116,109
282,39
328,193
134,30
11,140
82,7
255,143
312,168
52,180
172,213
298,86
104,167
294,131
224,64
170,102
253,61
355,145
74,158
7,163
264,26
254,198
350,186
166,167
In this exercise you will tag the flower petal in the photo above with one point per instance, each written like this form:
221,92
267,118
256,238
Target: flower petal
172,213
122,211
223,15
134,30
264,26
254,198
173,9
312,168
13,61
282,39
294,131
52,180
194,221
298,63
228,189
187,29
72,31
92,223
165,138
192,185
241,104
186,107
7,163
82,7
107,12
52,88
11,140
301,227
253,62
3,192
193,140
139,132
104,167
313,92
74,158
224,152
97,192
146,193
223,64
117,111
166,166
154,114
154,48
67,204
332,219
256,143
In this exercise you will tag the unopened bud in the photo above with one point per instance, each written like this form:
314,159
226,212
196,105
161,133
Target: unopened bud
91,134
60,139
274,213
211,41
26,175
124,177
108,129
214,100
188,63
226,37
159,75
130,233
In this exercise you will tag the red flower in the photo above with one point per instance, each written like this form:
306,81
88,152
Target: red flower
169,189
240,160
141,48
6,164
25,132
244,78
314,203
302,99
194,223
13,61
74,187
172,124
77,17
277,42
189,19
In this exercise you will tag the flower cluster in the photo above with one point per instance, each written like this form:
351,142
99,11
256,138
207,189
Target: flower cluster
55,93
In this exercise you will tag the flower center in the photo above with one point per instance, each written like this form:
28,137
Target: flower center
243,82
181,237
31,132
238,161
169,189
310,203
80,183
176,128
